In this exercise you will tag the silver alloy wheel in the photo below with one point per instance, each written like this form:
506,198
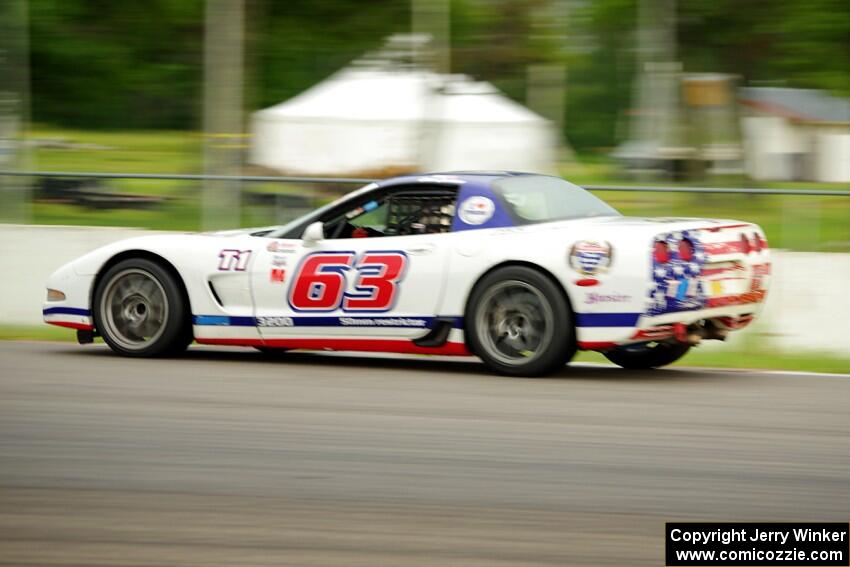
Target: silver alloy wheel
514,322
134,309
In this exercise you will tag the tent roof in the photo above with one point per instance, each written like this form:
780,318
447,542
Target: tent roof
401,95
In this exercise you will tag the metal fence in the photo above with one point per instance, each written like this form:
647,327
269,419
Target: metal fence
363,181
799,219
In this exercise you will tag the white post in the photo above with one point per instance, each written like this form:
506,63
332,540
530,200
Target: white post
223,126
432,18
14,110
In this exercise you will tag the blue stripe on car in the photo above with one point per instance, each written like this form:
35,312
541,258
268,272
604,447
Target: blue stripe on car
582,320
324,321
607,319
66,311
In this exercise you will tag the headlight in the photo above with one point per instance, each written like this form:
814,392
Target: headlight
55,295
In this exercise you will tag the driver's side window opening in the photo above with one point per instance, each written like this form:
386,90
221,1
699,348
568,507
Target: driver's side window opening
400,213
419,215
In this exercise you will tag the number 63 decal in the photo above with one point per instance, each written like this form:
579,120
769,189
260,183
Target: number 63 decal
320,283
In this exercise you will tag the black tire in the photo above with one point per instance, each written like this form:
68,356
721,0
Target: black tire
647,355
167,310
534,307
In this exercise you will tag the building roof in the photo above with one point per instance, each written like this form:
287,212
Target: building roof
805,105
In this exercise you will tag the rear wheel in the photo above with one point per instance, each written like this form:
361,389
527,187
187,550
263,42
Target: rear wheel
518,322
647,355
140,310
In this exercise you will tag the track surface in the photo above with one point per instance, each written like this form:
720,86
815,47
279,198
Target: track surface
225,458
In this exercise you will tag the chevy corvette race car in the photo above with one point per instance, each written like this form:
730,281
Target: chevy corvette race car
520,270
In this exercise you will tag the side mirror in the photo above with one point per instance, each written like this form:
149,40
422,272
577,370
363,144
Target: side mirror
313,233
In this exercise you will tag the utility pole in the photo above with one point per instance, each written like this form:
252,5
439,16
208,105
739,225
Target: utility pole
223,117
14,110
432,18
431,21
546,81
656,129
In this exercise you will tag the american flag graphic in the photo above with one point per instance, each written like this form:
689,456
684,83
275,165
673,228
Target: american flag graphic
677,284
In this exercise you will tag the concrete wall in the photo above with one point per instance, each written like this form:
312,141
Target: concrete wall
29,254
808,306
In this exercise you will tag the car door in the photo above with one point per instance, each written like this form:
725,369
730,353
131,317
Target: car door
386,283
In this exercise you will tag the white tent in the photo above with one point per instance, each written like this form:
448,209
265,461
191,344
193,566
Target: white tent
368,120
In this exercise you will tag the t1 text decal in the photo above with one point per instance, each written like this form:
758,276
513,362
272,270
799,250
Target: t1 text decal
237,260
321,282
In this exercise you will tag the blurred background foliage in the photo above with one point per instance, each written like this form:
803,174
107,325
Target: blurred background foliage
119,65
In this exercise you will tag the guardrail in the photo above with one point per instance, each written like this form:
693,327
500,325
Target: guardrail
363,181
189,177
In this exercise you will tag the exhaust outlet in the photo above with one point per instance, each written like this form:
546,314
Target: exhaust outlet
690,334
697,332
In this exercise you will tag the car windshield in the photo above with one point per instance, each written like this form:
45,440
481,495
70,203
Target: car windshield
538,198
283,231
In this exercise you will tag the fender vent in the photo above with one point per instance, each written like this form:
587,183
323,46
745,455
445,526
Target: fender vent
438,335
215,295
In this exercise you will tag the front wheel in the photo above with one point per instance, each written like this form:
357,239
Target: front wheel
140,310
647,355
518,322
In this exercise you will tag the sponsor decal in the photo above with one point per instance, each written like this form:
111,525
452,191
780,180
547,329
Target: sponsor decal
476,210
441,179
590,258
594,298
277,275
354,213
282,247
233,260
275,322
382,322
279,260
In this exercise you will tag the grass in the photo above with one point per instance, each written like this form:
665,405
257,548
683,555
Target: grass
37,333
734,357
763,359
798,223
118,152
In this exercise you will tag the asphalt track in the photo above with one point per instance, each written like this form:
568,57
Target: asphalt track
223,457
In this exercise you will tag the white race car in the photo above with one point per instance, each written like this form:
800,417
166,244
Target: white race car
520,270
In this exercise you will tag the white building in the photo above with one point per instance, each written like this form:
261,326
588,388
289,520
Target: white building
795,134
